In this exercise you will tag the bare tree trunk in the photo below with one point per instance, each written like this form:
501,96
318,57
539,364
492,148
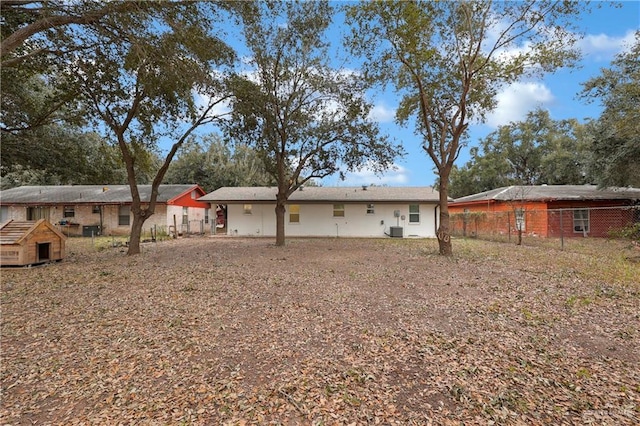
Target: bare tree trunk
136,232
280,212
444,232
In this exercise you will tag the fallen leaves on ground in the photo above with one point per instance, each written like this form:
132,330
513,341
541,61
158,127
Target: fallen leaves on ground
322,331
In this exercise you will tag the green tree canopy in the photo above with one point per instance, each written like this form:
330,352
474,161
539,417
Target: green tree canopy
305,118
535,151
211,163
139,81
616,133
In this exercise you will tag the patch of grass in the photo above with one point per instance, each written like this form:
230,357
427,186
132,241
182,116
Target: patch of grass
583,373
576,301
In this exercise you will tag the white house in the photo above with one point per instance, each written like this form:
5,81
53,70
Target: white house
373,211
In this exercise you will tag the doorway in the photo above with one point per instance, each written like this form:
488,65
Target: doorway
44,251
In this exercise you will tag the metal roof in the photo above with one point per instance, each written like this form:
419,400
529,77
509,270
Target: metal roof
552,192
315,194
87,194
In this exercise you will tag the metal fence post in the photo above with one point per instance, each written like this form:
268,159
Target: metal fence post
561,229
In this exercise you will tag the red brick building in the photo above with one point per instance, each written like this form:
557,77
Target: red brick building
546,211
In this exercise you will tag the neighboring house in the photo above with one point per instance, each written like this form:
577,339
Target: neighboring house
546,210
104,209
373,211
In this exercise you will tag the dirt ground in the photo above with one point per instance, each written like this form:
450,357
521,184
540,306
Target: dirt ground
219,330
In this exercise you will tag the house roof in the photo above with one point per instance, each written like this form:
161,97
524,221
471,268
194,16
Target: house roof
552,193
89,194
315,194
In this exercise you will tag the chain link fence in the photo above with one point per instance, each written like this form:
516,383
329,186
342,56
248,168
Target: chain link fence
556,227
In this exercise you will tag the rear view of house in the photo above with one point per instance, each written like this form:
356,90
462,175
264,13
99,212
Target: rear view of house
30,242
86,210
367,211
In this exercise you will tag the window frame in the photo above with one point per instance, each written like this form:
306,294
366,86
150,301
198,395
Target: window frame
371,208
414,214
121,217
585,220
294,213
520,218
247,209
338,210
68,212
185,215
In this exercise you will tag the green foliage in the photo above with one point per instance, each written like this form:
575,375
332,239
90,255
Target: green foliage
55,154
303,117
212,164
536,151
630,232
616,133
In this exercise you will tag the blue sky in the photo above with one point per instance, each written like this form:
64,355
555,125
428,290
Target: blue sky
606,29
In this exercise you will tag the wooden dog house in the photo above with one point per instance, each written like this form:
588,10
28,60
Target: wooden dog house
30,242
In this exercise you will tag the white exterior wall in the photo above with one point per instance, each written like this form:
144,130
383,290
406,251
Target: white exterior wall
316,220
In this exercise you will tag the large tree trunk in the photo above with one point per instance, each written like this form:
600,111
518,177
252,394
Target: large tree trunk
136,232
444,233
140,215
280,212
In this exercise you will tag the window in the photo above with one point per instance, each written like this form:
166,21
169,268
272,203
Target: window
123,216
520,222
246,209
96,209
370,209
581,221
69,211
37,213
414,213
294,213
194,194
338,210
185,215
206,215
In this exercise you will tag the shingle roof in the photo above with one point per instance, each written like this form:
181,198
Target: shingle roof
553,192
89,194
324,194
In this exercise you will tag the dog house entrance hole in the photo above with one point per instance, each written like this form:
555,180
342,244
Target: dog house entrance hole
44,251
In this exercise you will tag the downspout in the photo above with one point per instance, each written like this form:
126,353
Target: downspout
100,207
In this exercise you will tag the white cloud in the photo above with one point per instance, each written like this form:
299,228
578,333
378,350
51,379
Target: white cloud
203,101
602,47
516,100
381,113
396,175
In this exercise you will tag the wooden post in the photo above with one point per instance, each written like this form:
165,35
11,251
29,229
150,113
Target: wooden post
175,227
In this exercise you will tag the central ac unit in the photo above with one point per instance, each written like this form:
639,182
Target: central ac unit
395,231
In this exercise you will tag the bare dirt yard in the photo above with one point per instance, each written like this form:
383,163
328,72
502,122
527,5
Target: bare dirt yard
204,331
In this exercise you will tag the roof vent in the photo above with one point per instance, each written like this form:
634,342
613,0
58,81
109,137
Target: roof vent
301,187
364,187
